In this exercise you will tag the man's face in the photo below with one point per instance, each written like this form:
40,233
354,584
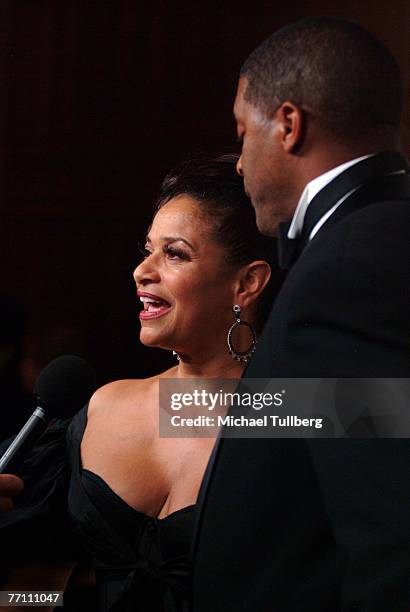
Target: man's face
263,163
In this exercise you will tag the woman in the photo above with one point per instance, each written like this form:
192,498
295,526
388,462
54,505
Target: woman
132,493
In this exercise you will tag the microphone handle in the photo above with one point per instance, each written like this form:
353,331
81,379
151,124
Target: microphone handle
35,426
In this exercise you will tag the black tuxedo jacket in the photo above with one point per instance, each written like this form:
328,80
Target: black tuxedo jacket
297,525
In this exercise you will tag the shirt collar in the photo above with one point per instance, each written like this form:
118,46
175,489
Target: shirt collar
312,189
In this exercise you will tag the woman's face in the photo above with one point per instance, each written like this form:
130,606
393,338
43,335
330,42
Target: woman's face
186,286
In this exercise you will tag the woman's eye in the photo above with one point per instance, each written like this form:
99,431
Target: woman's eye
174,253
145,252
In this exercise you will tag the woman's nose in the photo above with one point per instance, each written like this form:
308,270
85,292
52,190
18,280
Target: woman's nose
146,272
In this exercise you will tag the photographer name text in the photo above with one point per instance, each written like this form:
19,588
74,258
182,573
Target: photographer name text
271,420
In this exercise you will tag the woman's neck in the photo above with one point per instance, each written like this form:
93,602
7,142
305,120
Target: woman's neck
220,366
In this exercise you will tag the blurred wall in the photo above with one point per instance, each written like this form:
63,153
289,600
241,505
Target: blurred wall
99,99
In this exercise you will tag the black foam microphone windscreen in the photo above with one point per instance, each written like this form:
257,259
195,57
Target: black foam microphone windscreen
64,386
61,390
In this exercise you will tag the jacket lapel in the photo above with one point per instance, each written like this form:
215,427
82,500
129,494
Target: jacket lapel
358,176
361,174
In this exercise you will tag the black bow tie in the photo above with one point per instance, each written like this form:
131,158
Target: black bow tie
288,248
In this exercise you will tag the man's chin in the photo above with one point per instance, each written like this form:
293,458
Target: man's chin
267,224
268,217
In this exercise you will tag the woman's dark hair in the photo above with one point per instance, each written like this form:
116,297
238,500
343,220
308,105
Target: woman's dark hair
219,192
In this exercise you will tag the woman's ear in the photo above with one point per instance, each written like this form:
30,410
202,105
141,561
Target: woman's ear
252,280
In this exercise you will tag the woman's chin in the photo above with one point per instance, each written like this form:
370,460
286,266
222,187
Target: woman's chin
148,338
148,341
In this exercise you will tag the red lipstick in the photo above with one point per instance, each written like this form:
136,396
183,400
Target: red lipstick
154,306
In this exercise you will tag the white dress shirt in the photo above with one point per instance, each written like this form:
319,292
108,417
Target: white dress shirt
312,189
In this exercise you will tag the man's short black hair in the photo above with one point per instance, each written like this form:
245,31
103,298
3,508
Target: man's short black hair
334,69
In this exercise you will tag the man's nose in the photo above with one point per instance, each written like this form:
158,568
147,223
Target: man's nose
239,166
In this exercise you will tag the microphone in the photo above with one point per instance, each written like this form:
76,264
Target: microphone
62,388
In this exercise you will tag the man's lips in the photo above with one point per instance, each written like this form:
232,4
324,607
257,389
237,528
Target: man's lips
154,305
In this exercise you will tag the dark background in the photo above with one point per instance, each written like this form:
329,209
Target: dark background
98,100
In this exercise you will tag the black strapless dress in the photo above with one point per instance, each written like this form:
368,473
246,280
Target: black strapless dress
141,563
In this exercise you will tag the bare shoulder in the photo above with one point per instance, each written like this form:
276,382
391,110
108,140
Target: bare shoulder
120,395
115,394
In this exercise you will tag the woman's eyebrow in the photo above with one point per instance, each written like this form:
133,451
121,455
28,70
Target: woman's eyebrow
171,239
176,239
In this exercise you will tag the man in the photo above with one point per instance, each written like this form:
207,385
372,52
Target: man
298,525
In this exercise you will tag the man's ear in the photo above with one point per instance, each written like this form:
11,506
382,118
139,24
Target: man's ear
291,121
252,280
